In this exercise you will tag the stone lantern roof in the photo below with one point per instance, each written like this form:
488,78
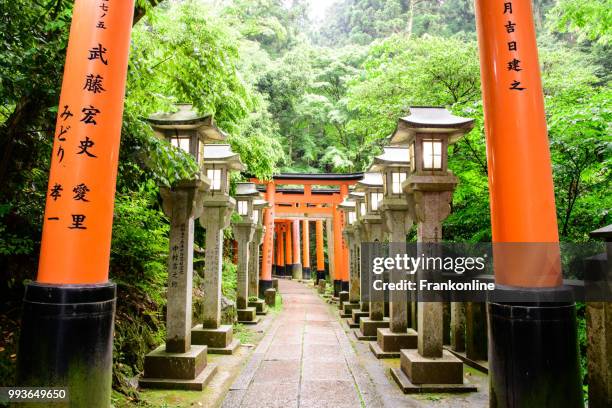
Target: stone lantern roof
186,118
222,154
347,205
357,195
392,156
430,119
246,189
260,204
370,180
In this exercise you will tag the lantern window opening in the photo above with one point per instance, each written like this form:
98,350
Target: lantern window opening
397,178
352,217
256,216
181,142
375,198
215,178
412,161
432,154
362,207
243,207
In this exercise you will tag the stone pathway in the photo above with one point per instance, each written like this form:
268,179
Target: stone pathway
305,360
308,359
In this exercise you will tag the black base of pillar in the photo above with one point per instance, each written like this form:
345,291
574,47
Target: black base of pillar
306,273
320,276
263,286
274,271
289,271
345,286
533,351
337,287
67,340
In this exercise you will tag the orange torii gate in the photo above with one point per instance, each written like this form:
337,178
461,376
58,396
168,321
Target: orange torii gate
295,199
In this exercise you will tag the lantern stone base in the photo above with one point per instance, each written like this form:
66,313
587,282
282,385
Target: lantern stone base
184,371
247,315
407,387
389,344
270,297
219,341
369,327
306,273
357,314
260,306
447,370
342,298
263,286
347,309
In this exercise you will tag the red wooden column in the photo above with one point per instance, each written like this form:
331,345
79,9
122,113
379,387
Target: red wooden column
319,249
280,265
529,363
265,281
306,249
56,347
288,248
295,250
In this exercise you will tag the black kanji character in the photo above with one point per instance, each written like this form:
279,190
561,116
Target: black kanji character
101,25
66,114
512,46
90,113
56,191
515,86
508,7
104,7
514,65
510,27
86,144
80,191
53,218
94,84
98,53
62,132
77,221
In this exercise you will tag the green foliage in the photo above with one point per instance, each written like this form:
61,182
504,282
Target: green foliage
588,19
138,266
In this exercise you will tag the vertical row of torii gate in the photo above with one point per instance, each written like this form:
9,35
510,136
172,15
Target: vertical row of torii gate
296,200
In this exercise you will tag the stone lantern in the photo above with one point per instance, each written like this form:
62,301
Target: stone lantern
246,193
397,214
259,205
372,232
178,364
350,217
429,131
218,160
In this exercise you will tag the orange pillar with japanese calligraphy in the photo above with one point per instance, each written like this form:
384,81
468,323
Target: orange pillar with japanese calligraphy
524,368
267,248
75,350
320,250
306,249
